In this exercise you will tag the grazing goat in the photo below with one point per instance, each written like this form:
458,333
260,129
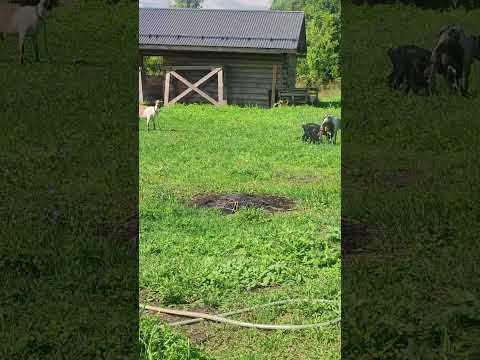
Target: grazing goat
455,50
22,21
410,63
281,103
150,112
330,127
312,132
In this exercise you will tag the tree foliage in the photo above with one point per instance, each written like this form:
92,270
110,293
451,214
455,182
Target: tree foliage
288,5
323,29
425,4
193,4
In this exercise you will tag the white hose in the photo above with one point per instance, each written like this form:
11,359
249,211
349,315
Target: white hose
197,316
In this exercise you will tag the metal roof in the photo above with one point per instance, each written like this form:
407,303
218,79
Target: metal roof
213,28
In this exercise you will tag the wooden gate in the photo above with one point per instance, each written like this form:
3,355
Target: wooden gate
171,73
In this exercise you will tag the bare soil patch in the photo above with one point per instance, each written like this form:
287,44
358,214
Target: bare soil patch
356,236
231,203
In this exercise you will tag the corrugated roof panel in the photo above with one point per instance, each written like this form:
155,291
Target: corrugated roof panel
220,28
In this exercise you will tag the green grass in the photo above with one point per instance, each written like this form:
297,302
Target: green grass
417,295
68,166
194,258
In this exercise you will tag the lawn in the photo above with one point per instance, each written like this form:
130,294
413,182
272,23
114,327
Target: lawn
407,173
201,259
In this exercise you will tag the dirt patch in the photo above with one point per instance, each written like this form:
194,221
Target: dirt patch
124,228
231,203
356,236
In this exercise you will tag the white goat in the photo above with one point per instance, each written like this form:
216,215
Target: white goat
22,21
150,112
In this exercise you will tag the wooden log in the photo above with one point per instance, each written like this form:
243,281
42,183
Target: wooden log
220,87
140,87
166,94
274,84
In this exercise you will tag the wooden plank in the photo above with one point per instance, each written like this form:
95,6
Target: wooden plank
140,87
220,87
226,81
205,66
166,94
193,87
274,84
182,67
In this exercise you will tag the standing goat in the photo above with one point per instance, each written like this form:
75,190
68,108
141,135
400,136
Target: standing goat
455,50
330,127
150,112
22,21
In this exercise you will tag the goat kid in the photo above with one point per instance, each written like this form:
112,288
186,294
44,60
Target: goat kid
22,21
150,113
312,133
409,63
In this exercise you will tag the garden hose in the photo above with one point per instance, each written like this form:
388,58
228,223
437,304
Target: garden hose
197,316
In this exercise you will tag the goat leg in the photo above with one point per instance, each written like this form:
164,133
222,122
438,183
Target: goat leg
21,48
35,45
466,75
45,40
431,78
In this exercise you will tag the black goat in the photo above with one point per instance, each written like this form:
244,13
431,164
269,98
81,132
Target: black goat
312,132
410,63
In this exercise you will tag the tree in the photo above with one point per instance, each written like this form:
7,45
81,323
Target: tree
288,5
322,63
193,4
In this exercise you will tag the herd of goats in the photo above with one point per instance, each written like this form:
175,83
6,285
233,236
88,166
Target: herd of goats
311,132
451,57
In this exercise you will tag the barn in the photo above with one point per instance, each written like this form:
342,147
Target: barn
241,57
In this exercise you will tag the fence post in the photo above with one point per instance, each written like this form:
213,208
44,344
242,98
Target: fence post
140,86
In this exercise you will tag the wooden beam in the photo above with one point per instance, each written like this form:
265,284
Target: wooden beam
140,87
194,87
220,88
199,67
166,94
144,48
274,83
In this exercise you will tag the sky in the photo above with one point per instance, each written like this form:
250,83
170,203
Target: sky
216,4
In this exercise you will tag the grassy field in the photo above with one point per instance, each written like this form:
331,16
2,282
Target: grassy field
68,168
407,171
201,259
